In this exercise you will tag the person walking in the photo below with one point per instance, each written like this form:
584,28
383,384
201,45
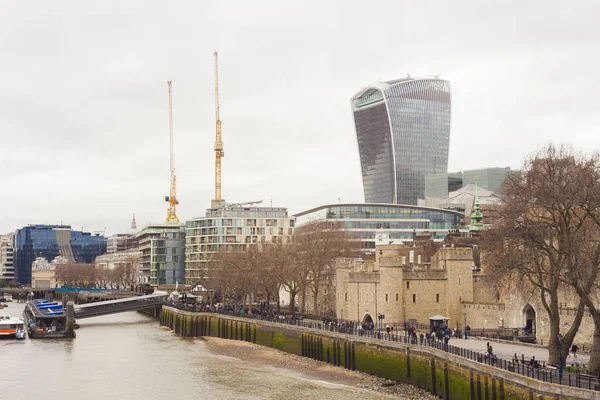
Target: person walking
574,349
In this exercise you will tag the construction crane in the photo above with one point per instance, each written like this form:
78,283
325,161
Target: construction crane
219,153
172,198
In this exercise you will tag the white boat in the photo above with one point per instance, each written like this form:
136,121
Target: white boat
11,327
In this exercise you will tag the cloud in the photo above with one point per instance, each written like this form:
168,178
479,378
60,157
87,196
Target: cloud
83,110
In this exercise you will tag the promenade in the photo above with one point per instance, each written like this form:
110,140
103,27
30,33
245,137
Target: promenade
507,350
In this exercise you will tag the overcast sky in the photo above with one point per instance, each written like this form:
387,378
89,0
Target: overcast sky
84,106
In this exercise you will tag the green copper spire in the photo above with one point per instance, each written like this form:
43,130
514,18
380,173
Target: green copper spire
476,215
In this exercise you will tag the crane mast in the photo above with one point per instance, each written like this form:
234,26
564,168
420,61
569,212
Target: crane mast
172,198
219,153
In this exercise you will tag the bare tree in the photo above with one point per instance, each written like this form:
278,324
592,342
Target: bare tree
543,224
76,275
319,243
285,271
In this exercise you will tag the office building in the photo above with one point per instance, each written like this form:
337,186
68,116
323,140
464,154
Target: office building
403,133
162,248
440,185
50,241
398,222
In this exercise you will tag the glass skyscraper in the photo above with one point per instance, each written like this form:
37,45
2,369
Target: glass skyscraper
403,132
50,241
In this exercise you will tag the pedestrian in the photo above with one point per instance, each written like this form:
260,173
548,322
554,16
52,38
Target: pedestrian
574,349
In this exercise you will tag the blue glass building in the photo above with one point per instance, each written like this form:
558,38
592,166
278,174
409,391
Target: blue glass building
50,241
403,133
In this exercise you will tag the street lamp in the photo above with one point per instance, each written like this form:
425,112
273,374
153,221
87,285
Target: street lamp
465,325
560,364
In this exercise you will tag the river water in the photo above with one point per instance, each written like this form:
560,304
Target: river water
128,356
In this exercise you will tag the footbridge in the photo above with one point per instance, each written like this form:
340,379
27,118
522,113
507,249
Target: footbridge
119,305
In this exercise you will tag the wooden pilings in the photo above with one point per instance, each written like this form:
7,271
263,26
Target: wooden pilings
338,352
70,320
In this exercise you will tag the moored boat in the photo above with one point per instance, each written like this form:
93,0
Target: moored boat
45,319
10,326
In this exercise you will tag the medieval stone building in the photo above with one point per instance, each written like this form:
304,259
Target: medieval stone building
409,283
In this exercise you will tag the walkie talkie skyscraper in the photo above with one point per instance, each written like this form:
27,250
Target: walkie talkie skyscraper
403,133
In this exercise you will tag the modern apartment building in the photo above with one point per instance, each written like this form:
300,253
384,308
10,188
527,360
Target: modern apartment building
403,132
162,248
7,267
50,241
121,242
232,228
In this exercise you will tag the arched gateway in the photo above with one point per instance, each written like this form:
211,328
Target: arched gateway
367,322
529,317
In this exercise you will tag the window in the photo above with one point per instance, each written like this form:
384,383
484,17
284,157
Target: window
386,297
419,259
437,298
346,296
408,285
411,256
403,260
414,298
396,296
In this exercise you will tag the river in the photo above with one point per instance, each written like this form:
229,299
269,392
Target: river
128,356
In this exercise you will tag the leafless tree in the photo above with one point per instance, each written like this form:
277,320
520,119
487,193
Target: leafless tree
318,244
76,275
544,223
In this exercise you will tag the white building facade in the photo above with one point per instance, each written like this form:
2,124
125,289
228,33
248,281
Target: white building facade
232,228
7,267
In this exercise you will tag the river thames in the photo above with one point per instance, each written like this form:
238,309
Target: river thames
128,356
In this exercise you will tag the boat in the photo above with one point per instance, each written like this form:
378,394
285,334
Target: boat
10,326
20,335
45,319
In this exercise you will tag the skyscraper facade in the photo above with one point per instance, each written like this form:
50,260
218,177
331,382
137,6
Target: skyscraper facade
50,241
403,133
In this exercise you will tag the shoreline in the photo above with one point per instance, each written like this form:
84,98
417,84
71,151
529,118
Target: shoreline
317,372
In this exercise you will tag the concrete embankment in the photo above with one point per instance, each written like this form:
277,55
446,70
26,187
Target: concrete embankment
443,374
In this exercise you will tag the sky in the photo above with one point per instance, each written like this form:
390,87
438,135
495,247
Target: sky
84,136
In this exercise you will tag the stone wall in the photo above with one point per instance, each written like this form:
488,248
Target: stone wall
444,374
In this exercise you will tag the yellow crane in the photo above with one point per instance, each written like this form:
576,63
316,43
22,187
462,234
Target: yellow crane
172,198
219,153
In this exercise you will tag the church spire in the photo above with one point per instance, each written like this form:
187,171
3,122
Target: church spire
476,215
133,224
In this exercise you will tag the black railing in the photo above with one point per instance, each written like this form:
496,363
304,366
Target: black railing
531,369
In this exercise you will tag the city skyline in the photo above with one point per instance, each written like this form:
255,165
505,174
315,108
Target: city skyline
84,118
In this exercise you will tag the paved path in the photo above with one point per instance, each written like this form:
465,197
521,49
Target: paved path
507,350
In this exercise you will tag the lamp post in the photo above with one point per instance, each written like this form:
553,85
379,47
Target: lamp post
560,364
465,325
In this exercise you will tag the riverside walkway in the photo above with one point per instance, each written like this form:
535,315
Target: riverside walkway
507,350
